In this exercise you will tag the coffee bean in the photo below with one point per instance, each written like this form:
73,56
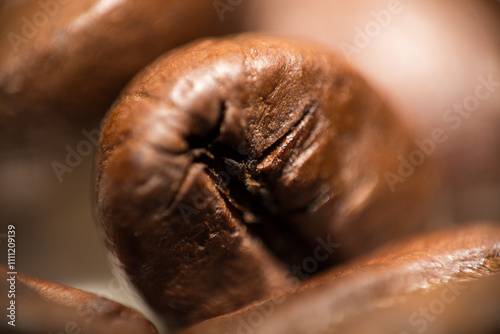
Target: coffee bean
307,142
409,287
38,307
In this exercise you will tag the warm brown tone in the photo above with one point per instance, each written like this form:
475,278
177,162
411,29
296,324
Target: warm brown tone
74,65
227,143
45,307
439,263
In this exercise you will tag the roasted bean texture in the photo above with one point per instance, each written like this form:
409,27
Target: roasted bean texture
223,162
247,183
431,272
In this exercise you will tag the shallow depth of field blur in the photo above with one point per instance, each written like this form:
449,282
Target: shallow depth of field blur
425,57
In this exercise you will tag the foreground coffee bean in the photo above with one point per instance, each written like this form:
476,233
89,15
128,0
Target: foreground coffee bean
465,308
39,307
225,161
413,279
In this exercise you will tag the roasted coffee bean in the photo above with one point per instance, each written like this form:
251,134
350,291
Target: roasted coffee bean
225,161
464,308
414,274
39,307
66,61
